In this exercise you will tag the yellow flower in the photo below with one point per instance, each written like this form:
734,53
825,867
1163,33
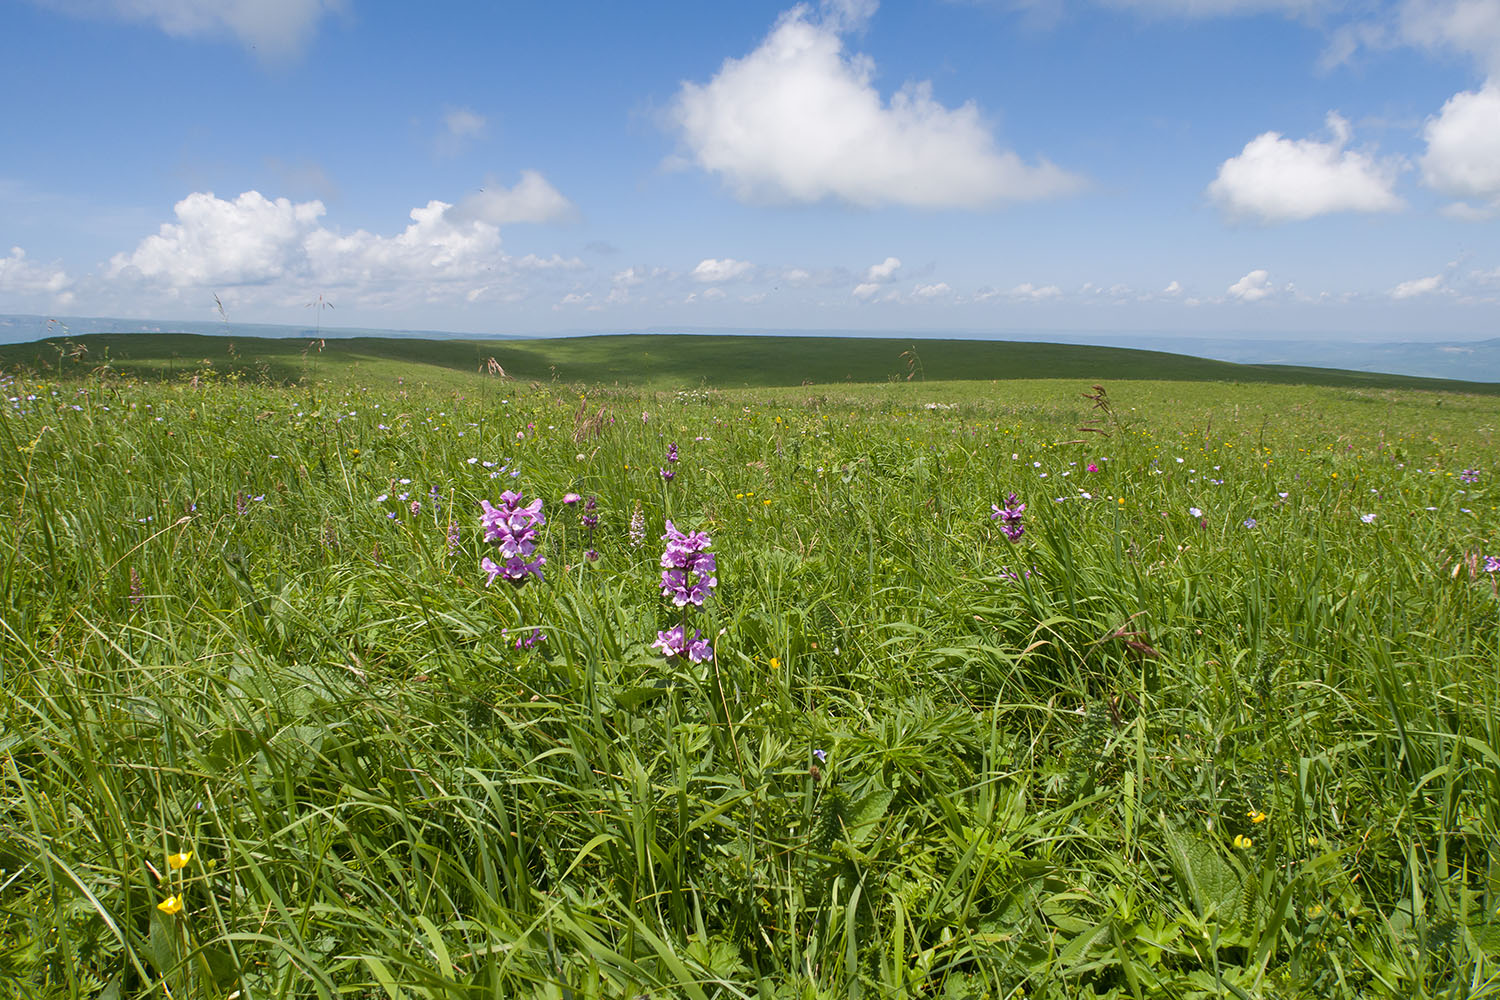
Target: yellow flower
1242,842
775,663
179,860
172,904
1256,816
1121,501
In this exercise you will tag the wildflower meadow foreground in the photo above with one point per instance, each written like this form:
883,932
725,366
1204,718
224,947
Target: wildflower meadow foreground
906,690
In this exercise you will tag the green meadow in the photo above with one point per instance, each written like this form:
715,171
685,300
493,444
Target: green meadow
1216,717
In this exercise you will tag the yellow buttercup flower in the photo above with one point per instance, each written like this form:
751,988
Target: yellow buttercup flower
172,904
178,861
775,663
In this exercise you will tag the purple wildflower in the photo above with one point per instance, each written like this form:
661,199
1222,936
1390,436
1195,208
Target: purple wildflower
1492,564
1093,467
570,498
416,507
1009,517
1250,522
532,640
687,568
822,756
592,555
589,519
673,642
452,537
137,594
512,528
1469,476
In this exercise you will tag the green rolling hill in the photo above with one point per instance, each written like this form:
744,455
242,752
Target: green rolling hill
660,360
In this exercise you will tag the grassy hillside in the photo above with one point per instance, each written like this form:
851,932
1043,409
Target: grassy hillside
659,361
1212,716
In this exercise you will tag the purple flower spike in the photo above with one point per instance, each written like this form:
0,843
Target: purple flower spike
1009,517
673,642
687,567
511,527
1492,564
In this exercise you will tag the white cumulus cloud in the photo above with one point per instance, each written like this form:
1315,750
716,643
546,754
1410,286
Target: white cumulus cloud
21,277
728,269
250,240
1280,180
1026,291
932,291
1463,146
533,199
273,29
799,120
1469,27
276,251
1253,287
884,271
1417,286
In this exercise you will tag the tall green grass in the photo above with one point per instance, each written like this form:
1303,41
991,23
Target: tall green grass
1137,753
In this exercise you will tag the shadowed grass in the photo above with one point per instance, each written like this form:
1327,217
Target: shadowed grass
657,360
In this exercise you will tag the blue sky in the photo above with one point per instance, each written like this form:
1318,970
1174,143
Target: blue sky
1276,167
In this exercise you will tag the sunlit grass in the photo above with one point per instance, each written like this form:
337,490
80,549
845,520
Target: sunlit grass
1137,752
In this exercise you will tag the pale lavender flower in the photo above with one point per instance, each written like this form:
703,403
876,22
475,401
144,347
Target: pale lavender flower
822,756
1492,564
1195,512
1367,518
637,527
452,537
570,498
1250,522
1469,476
